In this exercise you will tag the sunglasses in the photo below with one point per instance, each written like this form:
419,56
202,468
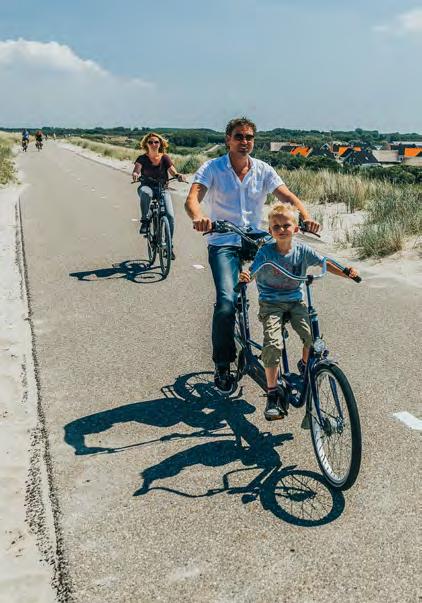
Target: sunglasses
247,137
153,142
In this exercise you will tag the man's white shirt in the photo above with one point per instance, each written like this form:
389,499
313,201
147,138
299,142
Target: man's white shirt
230,199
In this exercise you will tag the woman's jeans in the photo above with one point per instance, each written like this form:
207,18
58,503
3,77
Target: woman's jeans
145,196
225,267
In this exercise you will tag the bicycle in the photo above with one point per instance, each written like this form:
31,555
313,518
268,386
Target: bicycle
38,144
24,145
330,403
158,234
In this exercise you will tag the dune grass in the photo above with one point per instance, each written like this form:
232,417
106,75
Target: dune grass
7,170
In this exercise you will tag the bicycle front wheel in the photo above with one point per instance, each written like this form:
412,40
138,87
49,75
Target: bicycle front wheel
336,432
151,237
164,246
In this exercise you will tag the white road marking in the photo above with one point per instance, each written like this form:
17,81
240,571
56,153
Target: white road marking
409,420
198,266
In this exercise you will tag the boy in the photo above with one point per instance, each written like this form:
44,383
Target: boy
278,294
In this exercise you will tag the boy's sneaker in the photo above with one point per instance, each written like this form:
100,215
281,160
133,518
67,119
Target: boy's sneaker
273,410
223,379
143,229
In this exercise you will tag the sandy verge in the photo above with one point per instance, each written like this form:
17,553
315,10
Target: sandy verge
27,567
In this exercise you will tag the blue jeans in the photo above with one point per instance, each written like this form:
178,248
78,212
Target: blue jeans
145,196
225,267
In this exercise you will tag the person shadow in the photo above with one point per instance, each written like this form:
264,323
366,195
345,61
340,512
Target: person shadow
136,271
297,496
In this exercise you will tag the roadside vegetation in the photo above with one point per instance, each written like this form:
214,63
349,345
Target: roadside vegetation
185,164
7,170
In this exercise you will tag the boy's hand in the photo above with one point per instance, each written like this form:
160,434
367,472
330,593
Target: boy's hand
353,272
245,276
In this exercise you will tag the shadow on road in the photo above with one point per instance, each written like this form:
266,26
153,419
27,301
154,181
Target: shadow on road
296,496
136,271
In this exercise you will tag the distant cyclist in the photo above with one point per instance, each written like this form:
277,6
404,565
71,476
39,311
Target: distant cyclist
237,186
25,139
38,139
154,163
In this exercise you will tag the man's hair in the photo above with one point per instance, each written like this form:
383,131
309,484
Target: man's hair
239,121
164,145
282,208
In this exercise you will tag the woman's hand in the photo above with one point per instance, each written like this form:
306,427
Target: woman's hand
181,178
245,276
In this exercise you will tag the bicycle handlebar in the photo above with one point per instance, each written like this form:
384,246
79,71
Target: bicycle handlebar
155,180
224,226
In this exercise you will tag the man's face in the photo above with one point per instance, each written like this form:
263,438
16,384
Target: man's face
241,140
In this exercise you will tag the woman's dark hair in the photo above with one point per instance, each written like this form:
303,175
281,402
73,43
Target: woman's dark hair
239,121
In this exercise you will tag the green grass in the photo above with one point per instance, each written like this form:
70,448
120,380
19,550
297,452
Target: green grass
393,217
7,170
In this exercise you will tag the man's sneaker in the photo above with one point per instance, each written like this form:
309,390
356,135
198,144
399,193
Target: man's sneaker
223,379
273,411
143,229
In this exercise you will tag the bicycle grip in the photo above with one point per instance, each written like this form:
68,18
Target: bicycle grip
357,279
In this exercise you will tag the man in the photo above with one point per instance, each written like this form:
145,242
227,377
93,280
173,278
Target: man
237,187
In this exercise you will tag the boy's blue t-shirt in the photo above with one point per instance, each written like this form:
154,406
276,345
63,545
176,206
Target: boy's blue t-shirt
274,286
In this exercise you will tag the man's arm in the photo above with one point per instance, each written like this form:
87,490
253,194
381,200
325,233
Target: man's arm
285,195
196,194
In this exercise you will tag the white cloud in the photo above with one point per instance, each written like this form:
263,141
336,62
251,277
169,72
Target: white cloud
408,23
48,83
411,22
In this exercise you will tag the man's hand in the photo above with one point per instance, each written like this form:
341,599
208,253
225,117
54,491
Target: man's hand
181,178
311,225
202,224
245,276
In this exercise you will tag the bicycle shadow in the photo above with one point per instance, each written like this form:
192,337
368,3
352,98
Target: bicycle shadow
296,496
136,271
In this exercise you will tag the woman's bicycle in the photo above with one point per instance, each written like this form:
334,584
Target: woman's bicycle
158,234
330,404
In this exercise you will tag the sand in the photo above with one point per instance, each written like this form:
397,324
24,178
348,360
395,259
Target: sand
26,565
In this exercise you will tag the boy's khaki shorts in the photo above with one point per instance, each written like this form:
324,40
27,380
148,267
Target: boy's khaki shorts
271,316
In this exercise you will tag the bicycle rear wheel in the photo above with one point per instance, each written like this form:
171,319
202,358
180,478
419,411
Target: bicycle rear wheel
164,246
336,438
151,238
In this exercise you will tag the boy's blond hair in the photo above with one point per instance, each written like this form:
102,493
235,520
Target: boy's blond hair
282,208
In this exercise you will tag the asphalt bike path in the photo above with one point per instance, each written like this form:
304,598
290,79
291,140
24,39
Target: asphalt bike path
165,490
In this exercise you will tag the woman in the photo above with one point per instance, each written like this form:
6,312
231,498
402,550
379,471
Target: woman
156,164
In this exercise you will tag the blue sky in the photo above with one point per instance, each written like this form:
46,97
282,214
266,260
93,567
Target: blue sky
322,64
